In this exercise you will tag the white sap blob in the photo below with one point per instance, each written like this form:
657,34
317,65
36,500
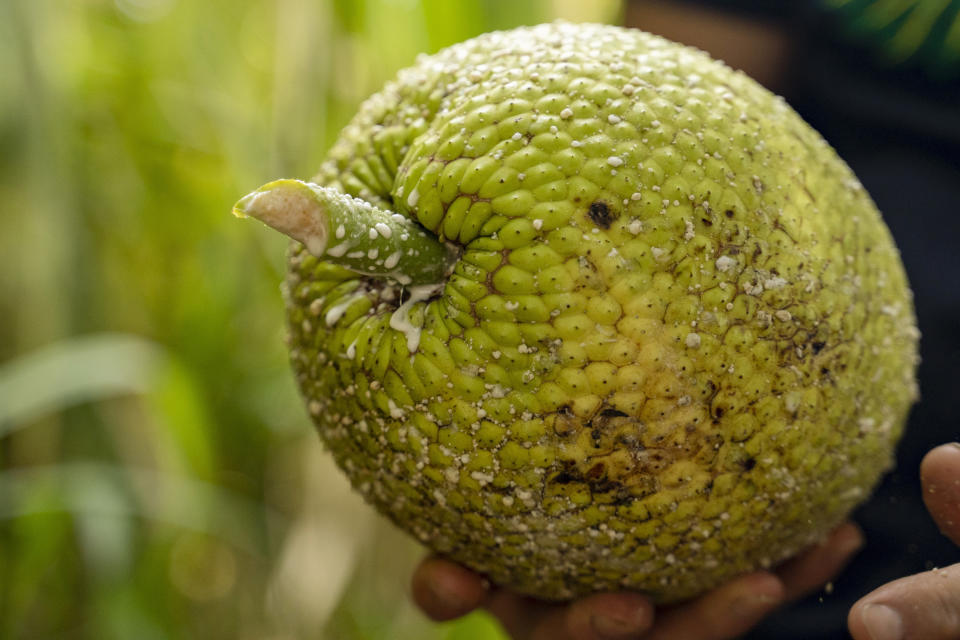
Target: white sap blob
400,320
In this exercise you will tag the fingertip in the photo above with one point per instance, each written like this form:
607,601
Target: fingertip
941,460
940,478
753,597
848,538
610,616
445,590
820,563
762,587
726,612
750,597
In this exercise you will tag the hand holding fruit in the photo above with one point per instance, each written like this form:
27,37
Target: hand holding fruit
925,605
444,590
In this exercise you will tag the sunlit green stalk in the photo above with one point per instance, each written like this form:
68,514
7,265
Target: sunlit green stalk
349,231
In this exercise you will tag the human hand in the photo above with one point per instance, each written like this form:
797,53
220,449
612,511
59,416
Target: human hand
926,605
445,590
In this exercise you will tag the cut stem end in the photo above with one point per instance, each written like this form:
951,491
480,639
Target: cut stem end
350,232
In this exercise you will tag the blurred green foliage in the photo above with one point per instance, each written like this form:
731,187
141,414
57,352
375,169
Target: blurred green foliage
158,476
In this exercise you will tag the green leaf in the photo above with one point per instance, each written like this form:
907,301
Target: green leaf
74,371
91,489
479,625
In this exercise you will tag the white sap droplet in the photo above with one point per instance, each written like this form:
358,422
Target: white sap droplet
338,250
392,260
395,411
336,312
725,263
775,282
383,229
413,198
400,319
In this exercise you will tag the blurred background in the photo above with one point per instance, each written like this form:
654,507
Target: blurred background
159,478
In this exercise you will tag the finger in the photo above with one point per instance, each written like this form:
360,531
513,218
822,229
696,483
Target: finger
924,606
609,616
940,476
605,616
525,618
820,563
724,613
444,590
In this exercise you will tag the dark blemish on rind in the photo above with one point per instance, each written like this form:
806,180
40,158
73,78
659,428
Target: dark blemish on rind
601,214
818,347
612,413
749,464
728,213
596,472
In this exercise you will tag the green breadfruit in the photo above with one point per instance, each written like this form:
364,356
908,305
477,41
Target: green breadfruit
583,309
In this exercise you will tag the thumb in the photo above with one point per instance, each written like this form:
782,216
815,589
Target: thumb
925,606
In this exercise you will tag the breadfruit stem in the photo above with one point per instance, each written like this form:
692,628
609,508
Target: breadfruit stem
350,232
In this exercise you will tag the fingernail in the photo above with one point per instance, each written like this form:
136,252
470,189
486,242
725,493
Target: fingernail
954,444
882,622
608,626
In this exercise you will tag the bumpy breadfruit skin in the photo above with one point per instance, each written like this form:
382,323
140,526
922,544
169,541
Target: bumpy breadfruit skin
679,343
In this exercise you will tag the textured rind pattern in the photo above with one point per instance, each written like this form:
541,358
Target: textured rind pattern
679,344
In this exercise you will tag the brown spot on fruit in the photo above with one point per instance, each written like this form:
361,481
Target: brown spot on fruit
566,422
601,214
612,413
